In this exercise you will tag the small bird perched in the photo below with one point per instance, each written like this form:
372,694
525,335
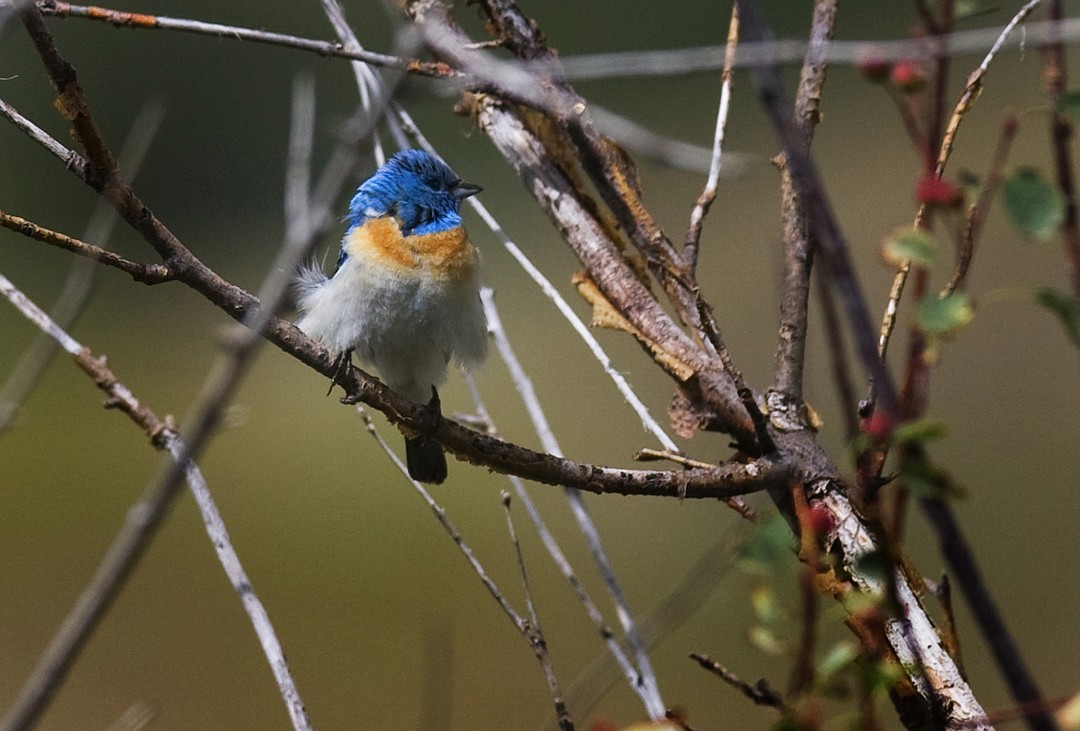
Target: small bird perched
406,293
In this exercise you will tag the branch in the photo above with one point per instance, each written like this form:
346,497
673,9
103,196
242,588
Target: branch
785,396
120,18
823,227
145,273
722,482
1061,131
536,635
708,195
972,90
761,693
976,214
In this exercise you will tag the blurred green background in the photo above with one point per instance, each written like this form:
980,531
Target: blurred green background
383,623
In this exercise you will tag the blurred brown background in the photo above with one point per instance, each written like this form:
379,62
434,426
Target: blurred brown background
368,595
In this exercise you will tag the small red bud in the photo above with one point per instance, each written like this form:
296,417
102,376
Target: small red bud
602,726
908,76
879,426
821,520
934,191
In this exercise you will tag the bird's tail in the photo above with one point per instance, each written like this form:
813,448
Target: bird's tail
425,459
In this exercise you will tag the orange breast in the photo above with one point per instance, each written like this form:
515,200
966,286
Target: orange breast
443,255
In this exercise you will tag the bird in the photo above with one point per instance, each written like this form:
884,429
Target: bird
405,294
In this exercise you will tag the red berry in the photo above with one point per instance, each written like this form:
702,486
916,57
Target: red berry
934,191
908,76
821,520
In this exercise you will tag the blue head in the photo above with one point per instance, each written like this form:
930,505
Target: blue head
417,188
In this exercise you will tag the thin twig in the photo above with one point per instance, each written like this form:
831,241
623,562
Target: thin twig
761,693
563,564
145,273
970,94
708,59
527,630
368,83
298,158
823,227
650,691
838,358
536,635
119,559
692,244
551,545
647,144
323,48
976,213
1055,84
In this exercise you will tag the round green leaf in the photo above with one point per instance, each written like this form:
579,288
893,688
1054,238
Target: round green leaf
911,244
1035,206
940,315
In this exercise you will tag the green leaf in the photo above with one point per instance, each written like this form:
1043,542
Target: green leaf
1035,206
766,605
967,9
912,244
1065,307
839,657
766,640
1069,103
920,430
941,315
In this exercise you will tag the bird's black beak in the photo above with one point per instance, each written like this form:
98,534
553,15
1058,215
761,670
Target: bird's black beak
463,190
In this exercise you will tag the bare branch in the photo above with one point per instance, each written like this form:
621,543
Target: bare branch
708,195
761,693
1061,131
536,635
145,273
976,213
785,396
323,48
822,223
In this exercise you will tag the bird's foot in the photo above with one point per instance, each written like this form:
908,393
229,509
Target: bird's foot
341,367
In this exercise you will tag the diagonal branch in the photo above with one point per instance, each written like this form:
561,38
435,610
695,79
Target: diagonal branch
145,273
